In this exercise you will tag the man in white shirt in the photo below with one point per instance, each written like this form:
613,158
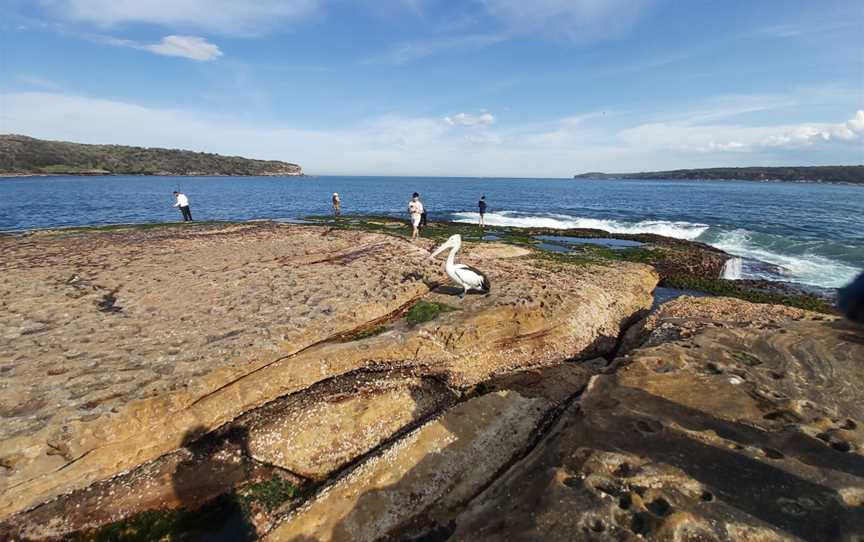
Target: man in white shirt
415,209
183,203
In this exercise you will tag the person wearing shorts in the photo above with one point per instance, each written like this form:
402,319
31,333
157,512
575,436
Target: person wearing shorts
415,209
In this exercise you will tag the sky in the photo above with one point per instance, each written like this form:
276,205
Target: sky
513,88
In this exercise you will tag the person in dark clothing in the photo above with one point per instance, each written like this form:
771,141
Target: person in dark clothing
850,300
482,205
183,203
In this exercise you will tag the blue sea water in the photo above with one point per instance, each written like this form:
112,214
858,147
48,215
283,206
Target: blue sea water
800,232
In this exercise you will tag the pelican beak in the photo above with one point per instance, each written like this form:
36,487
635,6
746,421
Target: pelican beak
439,250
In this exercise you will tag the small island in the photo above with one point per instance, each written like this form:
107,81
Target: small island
814,174
22,156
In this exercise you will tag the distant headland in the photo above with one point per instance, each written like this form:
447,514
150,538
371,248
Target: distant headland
22,155
814,174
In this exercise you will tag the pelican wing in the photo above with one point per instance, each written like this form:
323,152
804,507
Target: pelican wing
472,277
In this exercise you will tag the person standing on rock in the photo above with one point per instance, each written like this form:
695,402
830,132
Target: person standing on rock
183,203
337,204
415,209
482,205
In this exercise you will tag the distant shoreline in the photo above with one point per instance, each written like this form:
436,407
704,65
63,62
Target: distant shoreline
851,175
701,180
577,178
25,175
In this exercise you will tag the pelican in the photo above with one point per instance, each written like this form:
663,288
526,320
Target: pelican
464,275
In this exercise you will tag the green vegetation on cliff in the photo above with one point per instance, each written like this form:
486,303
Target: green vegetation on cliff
22,155
821,174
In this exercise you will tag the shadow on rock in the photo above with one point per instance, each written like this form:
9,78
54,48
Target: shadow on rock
418,484
626,462
201,483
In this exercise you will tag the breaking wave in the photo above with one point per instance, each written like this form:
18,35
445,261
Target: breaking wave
678,230
796,263
758,256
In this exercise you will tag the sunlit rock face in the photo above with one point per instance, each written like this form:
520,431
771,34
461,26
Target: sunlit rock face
738,426
125,347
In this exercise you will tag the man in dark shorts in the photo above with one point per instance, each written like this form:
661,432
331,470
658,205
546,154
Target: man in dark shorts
482,205
183,204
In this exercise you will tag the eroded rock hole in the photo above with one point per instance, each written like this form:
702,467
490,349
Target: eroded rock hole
572,482
641,523
624,470
713,368
625,502
648,426
660,507
848,425
841,446
771,453
783,416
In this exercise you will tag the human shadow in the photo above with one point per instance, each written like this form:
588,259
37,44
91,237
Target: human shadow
377,513
203,483
468,446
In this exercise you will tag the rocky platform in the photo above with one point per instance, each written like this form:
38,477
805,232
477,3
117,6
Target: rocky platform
327,385
124,350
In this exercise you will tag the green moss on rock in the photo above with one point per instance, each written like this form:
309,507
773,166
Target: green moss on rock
179,525
728,288
270,493
425,311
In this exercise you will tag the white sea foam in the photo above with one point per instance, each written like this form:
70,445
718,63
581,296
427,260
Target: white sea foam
732,269
802,268
678,230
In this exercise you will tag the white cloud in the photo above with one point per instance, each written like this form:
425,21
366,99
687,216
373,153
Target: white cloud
191,47
729,137
467,119
851,130
228,16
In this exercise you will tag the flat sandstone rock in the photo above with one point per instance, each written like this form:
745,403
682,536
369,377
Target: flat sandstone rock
313,434
119,347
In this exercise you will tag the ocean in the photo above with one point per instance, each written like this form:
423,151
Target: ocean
799,232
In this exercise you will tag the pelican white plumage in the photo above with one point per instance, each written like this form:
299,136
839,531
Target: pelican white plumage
465,276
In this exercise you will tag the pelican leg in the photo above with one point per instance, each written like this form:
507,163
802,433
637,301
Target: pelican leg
465,291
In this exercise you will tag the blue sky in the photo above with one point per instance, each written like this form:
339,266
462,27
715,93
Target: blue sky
445,87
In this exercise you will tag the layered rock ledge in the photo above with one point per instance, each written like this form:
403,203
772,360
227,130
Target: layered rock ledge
122,349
